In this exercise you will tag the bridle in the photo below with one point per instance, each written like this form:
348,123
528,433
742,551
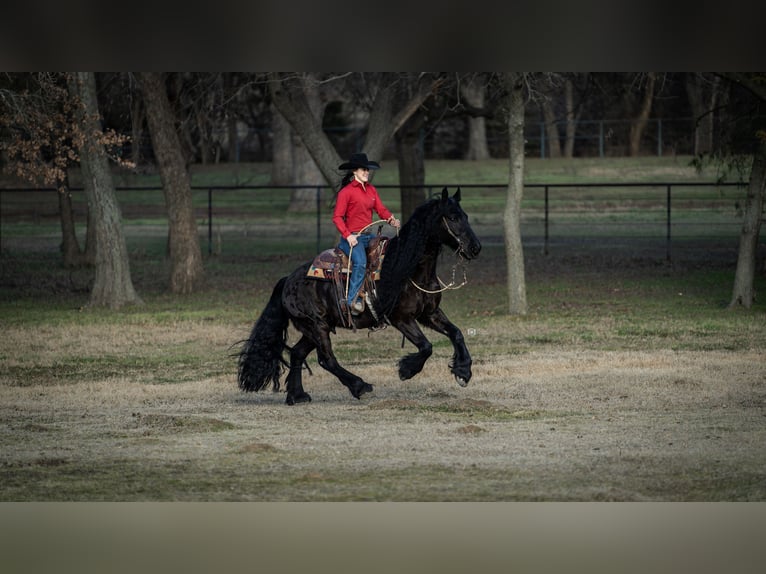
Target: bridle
451,286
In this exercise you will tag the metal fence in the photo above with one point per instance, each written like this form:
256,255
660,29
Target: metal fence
659,216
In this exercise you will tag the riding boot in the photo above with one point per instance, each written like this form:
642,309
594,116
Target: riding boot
357,307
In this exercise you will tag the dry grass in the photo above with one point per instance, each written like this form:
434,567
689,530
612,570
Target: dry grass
563,423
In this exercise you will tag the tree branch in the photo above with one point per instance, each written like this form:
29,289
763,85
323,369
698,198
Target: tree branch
755,83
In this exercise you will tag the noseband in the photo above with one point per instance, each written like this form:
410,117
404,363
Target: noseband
455,237
458,263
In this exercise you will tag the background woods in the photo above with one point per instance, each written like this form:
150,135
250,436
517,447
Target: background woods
305,124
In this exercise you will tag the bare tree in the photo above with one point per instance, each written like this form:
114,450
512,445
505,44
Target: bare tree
474,91
112,285
386,116
517,291
551,126
556,91
409,155
305,171
743,294
703,91
289,97
638,125
183,242
573,111
282,154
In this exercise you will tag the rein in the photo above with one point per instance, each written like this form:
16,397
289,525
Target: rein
451,286
459,263
446,286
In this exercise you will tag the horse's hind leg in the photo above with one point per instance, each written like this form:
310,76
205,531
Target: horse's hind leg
298,354
327,361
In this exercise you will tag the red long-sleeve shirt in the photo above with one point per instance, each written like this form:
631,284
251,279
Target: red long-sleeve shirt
354,207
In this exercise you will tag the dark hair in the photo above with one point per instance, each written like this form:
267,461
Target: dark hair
343,183
346,179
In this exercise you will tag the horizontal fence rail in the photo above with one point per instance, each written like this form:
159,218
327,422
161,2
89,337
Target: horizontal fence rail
552,215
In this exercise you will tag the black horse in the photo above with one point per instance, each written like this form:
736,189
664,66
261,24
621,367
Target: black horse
408,292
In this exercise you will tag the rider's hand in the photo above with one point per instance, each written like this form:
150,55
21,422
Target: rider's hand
352,240
393,222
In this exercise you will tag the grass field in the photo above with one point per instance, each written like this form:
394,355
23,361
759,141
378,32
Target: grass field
628,379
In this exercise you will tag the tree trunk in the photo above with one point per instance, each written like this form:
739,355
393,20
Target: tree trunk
305,170
572,118
289,97
551,129
232,139
703,102
70,247
517,290
185,254
412,173
744,290
473,92
90,238
200,117
137,130
307,175
639,124
112,286
282,154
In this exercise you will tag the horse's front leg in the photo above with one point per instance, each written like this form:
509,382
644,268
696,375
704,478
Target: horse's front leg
461,359
410,365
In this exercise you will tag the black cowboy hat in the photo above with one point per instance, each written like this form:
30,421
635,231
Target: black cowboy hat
358,160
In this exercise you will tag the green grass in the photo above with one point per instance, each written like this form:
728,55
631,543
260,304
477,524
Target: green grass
571,306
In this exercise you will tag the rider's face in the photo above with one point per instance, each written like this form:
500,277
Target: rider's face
362,174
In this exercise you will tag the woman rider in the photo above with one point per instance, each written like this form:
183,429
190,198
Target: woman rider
356,201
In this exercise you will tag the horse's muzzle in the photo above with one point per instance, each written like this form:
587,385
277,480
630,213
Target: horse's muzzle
473,250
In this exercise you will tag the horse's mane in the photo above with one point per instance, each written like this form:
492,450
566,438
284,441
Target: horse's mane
404,253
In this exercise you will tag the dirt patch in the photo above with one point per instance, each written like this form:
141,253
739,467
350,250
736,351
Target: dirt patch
161,423
575,425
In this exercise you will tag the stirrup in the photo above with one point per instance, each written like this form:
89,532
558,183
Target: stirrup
357,307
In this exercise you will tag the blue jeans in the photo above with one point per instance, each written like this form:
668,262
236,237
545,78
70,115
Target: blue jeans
358,263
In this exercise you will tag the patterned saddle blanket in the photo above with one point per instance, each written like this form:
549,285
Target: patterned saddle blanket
332,263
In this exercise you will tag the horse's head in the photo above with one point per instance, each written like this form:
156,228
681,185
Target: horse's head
456,231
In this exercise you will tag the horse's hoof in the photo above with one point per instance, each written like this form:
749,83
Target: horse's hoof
302,398
361,389
461,381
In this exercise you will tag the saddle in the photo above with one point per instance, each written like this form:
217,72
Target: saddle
333,265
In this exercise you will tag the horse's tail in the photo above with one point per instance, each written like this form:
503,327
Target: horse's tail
260,360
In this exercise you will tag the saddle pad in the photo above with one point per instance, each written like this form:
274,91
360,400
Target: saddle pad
327,264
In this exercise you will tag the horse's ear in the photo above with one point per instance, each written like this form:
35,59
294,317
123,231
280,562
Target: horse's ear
457,195
445,195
